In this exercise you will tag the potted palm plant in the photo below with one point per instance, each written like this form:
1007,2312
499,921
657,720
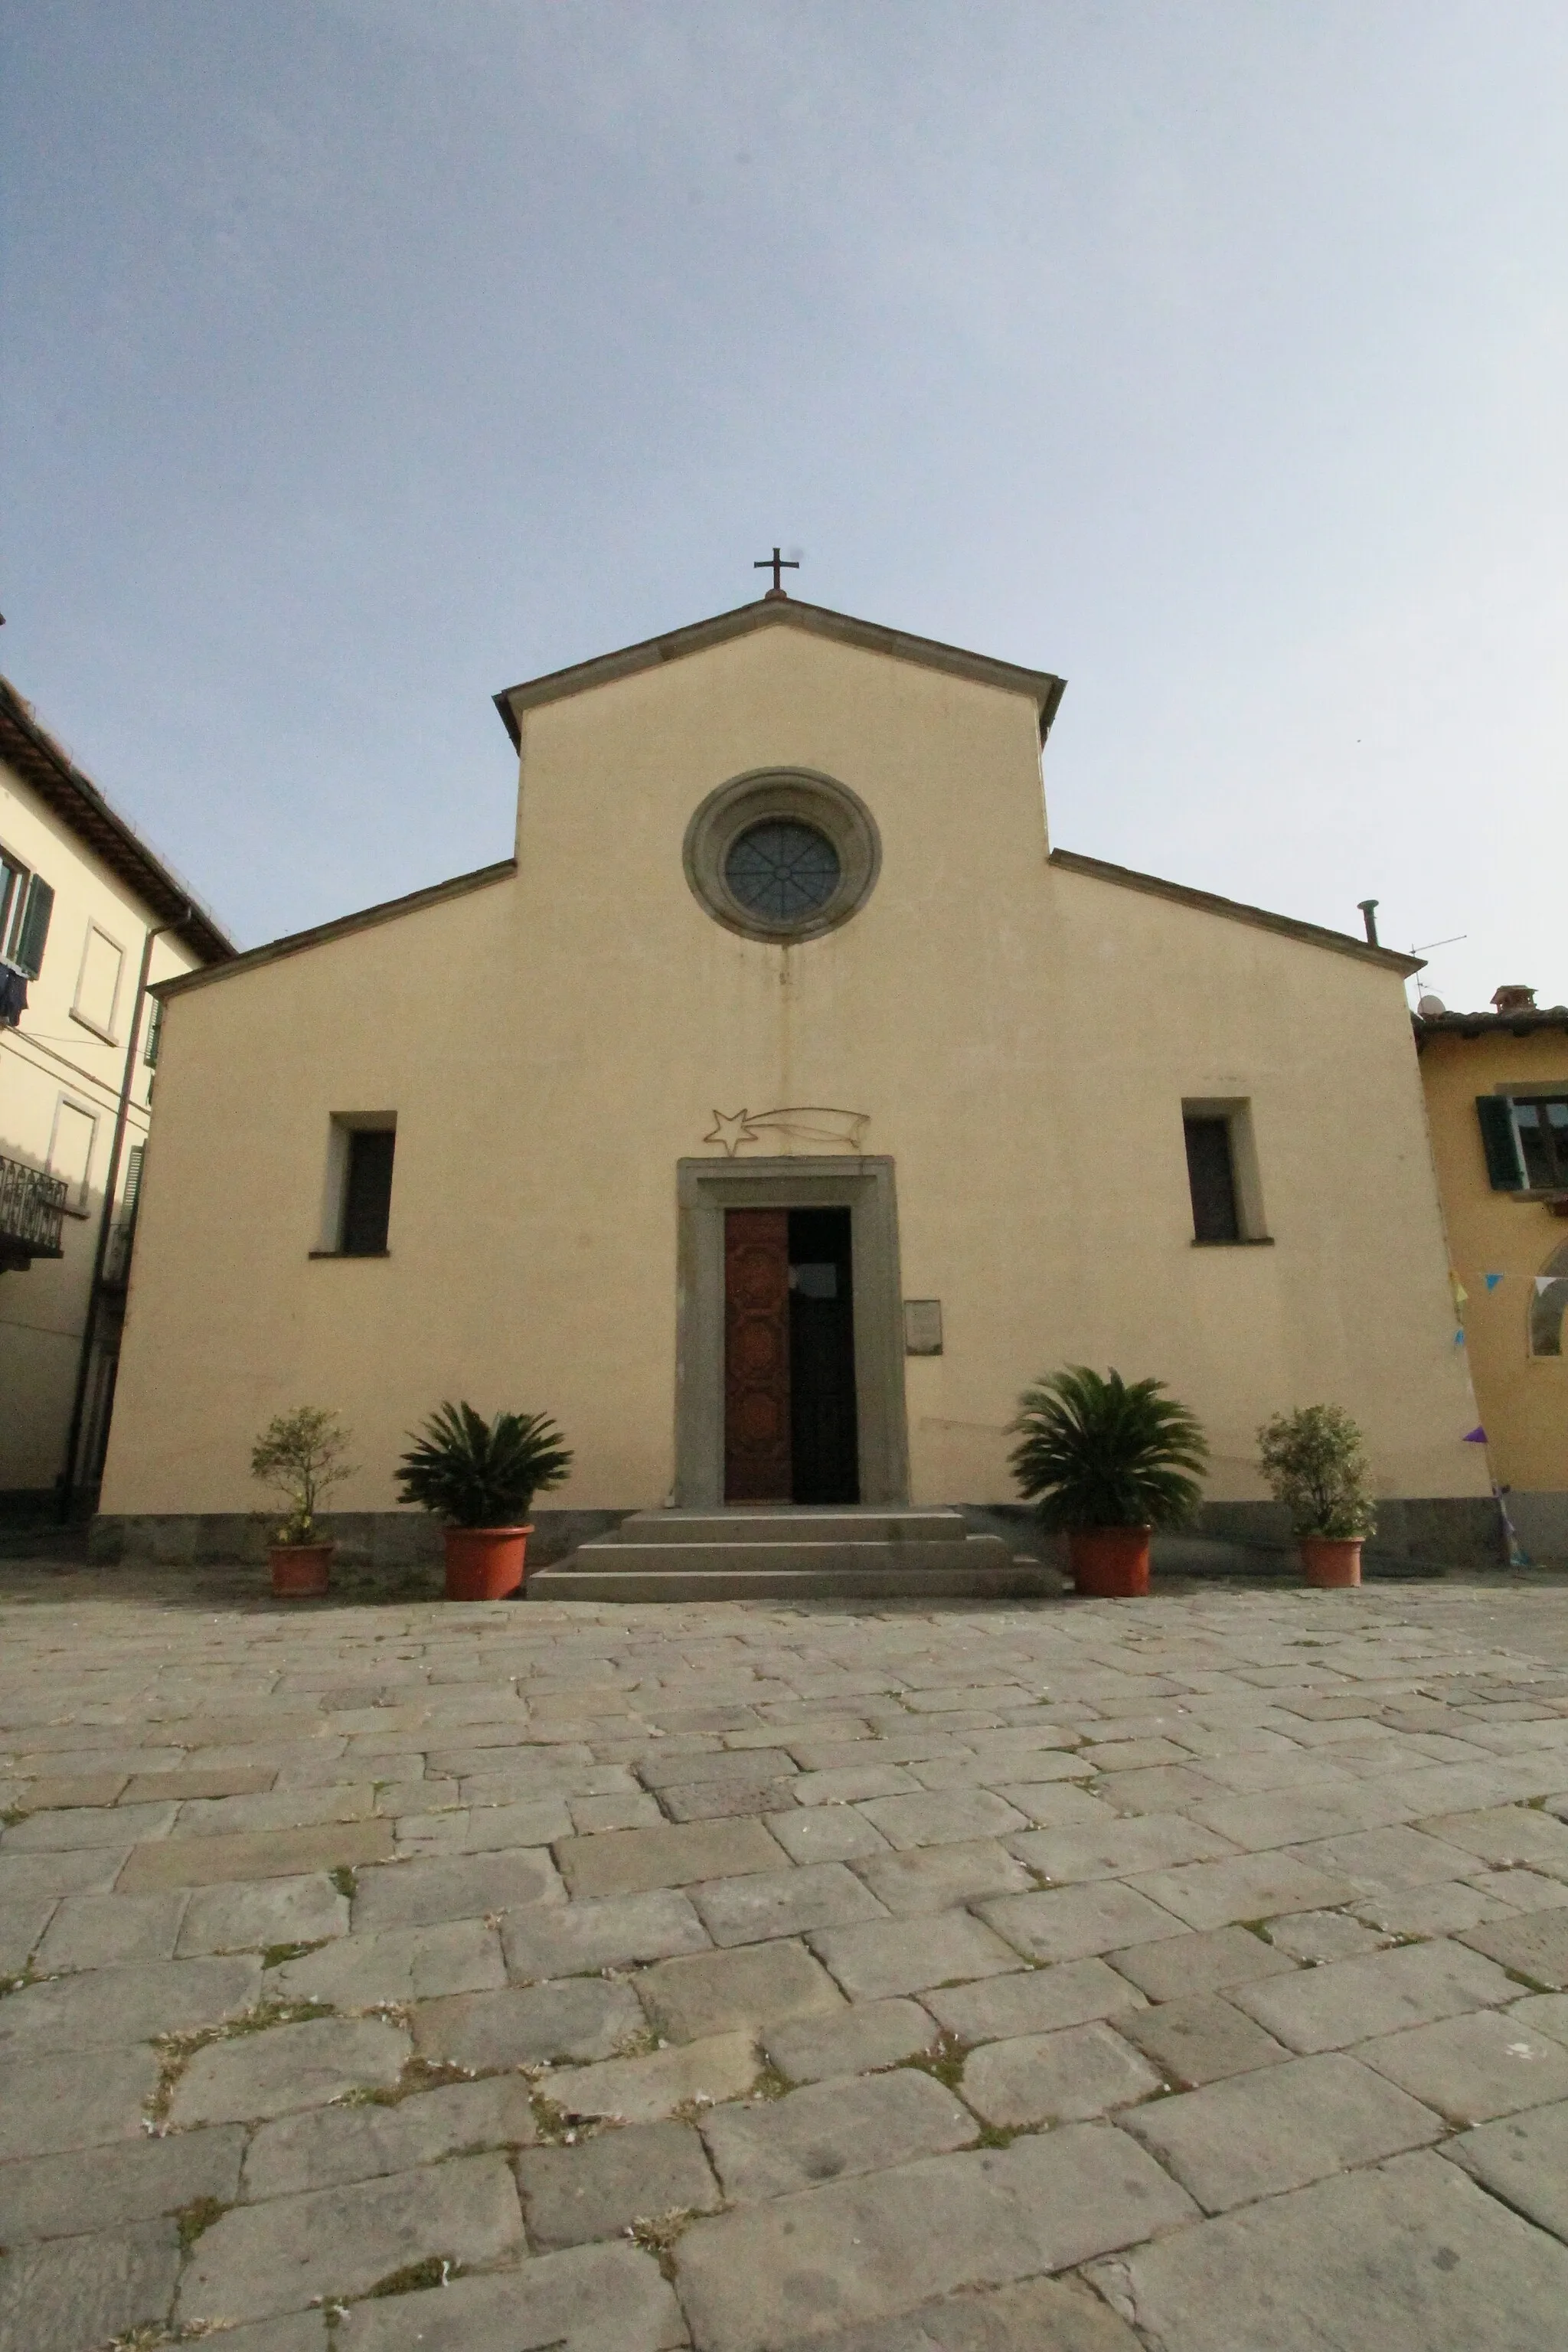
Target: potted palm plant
299,1455
1106,1462
480,1476
1314,1465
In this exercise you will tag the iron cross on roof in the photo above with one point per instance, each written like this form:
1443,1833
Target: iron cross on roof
776,563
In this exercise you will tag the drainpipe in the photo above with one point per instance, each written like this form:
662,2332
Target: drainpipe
106,1222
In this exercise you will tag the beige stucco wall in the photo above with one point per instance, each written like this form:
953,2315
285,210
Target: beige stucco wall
1524,1399
552,1045
55,1056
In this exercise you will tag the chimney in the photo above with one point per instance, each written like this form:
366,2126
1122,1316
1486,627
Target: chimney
1514,999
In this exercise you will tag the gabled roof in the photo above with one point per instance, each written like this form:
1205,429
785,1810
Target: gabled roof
1235,910
75,799
781,611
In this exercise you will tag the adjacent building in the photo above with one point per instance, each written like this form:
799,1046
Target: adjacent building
89,916
779,1106
1496,1098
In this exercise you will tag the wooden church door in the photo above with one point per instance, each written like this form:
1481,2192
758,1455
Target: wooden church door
757,1458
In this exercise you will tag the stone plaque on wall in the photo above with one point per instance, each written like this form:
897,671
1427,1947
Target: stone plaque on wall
922,1326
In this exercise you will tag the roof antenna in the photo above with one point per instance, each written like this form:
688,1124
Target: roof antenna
1369,917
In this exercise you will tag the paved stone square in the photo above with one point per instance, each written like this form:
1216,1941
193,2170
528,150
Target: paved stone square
1189,1974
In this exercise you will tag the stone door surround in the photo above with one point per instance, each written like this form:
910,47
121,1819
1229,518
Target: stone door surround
863,1185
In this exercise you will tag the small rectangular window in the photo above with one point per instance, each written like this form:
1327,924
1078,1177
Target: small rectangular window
367,1191
1525,1137
1211,1175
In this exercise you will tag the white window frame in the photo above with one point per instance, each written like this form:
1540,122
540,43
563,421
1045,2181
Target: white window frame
110,1036
76,1207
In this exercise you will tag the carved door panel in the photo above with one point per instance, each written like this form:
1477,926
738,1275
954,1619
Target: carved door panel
756,1356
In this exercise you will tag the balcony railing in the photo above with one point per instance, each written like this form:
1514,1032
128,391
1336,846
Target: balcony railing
32,1208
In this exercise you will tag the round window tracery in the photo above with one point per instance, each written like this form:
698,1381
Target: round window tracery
782,869
782,854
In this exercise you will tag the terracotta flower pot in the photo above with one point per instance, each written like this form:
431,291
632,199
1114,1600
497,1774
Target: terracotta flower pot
1333,1561
485,1564
1109,1563
300,1571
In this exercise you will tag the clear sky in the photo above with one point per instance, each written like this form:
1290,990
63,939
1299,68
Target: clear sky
361,357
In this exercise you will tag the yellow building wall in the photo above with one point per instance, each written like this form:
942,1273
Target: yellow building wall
1020,1038
1523,1399
55,1057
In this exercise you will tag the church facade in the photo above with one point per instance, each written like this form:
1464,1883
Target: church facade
781,1107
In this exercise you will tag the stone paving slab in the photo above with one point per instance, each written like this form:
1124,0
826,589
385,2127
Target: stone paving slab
1053,2078
1201,2039
1041,2315
574,2196
101,2188
335,2144
65,2294
1409,2258
580,2018
1260,2133
1351,2000
255,1853
97,1931
899,1956
1525,2160
1472,2069
276,2257
646,2090
772,2147
632,1862
872,2035
1033,2001
746,1989
108,2008
590,2299
613,1932
798,2267
1535,1946
288,2066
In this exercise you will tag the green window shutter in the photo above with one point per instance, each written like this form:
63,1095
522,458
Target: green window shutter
1500,1143
154,1030
33,927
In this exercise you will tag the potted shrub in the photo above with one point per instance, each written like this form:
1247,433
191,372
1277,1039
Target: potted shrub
480,1476
1314,1465
299,1455
1106,1462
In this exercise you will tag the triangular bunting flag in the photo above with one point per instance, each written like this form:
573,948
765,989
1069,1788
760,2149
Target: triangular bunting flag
1460,1293
1475,1436
1459,1337
1545,1281
1491,1280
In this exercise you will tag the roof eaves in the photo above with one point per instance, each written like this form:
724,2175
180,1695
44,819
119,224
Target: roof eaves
1237,911
1543,1018
46,766
389,910
1043,688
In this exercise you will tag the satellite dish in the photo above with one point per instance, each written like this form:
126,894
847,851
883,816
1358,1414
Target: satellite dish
1431,1008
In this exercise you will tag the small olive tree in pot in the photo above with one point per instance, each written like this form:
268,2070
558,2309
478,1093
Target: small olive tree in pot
299,1455
1314,1463
480,1476
1106,1462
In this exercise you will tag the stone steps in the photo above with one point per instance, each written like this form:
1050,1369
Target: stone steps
772,1554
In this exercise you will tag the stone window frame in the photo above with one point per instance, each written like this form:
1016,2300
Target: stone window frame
801,796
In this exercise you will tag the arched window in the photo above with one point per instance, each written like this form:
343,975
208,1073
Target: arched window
1549,1306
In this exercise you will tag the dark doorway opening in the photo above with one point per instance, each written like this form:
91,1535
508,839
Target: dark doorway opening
791,1434
823,1437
